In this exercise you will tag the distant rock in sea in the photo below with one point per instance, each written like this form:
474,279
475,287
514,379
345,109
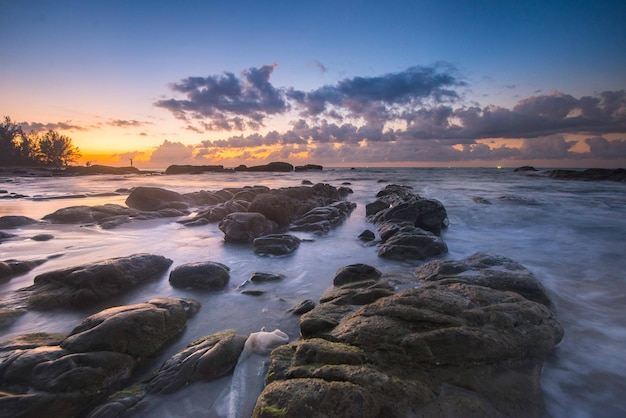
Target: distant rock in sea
99,169
193,169
274,166
590,174
308,167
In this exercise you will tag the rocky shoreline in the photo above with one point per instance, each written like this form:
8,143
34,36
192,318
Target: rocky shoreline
452,338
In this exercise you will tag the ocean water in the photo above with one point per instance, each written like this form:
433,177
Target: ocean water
570,234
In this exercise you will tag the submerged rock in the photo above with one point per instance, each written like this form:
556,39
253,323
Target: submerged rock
12,268
86,284
15,221
276,244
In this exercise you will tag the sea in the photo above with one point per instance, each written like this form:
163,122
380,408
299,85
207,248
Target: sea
570,234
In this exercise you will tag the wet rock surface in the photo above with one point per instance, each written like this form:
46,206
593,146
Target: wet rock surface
408,224
447,348
83,285
276,244
68,376
201,275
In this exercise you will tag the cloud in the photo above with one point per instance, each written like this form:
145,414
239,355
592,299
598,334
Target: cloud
419,114
317,64
127,123
226,102
377,99
172,153
603,148
56,126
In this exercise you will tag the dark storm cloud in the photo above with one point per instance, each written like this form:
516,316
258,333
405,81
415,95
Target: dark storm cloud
533,117
226,102
603,148
375,98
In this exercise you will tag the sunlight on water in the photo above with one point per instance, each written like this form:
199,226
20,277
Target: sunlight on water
571,235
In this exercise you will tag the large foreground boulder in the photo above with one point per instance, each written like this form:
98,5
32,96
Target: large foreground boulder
139,330
53,375
447,348
86,284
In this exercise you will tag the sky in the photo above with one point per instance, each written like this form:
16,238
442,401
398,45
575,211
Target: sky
336,83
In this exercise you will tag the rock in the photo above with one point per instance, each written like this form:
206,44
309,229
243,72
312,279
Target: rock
201,275
273,166
481,200
590,174
410,242
193,169
155,198
15,221
427,214
302,307
307,167
253,292
274,206
259,277
36,372
100,169
443,349
306,182
71,215
107,215
203,360
493,271
34,340
138,330
525,168
4,235
355,273
11,268
375,207
9,315
276,244
42,237
86,284
246,226
321,220
367,236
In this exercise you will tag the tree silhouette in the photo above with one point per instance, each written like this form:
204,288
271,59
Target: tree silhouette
51,148
11,136
56,150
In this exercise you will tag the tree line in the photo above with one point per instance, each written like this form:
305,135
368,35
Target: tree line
47,149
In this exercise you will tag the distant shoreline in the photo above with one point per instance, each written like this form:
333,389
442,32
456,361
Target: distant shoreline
581,174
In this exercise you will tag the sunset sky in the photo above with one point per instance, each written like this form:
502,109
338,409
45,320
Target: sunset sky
336,83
